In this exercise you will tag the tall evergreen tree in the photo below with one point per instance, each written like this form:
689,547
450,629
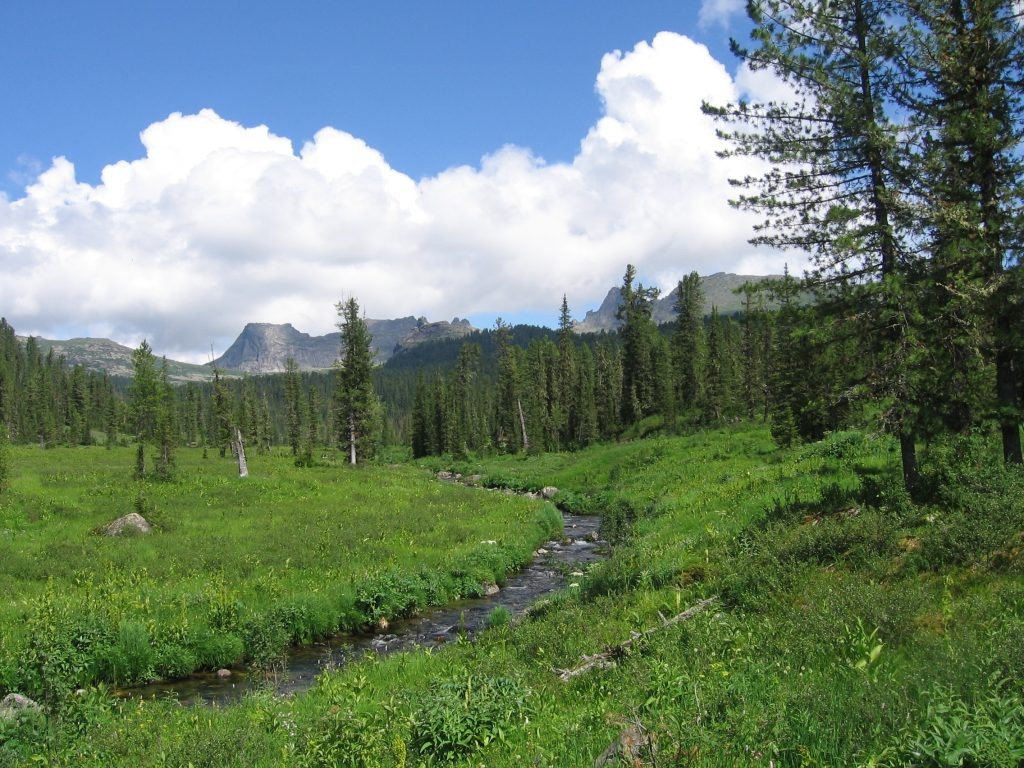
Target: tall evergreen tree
354,399
293,404
508,434
145,398
638,332
969,107
688,340
221,428
166,425
567,414
833,188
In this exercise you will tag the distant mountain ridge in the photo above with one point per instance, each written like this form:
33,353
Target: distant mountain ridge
718,292
116,359
265,347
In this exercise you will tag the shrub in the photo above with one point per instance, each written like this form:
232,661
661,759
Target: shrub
498,617
988,732
130,659
459,717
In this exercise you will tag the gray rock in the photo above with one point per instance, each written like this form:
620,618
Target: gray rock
491,589
131,523
14,705
549,491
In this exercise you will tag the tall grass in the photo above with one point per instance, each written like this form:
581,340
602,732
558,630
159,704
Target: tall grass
235,569
853,628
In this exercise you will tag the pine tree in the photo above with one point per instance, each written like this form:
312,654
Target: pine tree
508,433
607,388
836,174
585,422
221,428
355,402
293,403
968,107
639,380
145,398
688,340
421,421
567,414
166,426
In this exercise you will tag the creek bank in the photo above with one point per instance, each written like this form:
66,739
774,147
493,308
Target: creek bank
579,546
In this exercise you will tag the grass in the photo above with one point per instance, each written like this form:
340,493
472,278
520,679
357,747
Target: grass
853,628
235,569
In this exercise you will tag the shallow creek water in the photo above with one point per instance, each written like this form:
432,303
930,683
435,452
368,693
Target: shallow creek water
544,575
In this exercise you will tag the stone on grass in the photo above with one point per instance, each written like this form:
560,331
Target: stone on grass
131,523
548,491
14,704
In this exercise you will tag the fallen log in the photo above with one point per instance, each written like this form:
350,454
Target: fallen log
606,658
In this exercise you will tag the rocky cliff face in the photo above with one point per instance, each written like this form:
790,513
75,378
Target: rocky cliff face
718,292
264,347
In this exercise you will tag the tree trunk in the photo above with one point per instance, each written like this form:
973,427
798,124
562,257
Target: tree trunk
1006,394
522,423
352,439
908,455
243,469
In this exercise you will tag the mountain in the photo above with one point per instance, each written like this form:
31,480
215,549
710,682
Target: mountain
264,347
718,292
116,359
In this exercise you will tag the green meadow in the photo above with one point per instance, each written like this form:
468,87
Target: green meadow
235,569
849,625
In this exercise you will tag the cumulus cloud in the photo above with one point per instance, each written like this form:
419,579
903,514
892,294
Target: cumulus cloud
718,12
219,224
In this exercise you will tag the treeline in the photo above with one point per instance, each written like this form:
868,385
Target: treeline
44,401
563,391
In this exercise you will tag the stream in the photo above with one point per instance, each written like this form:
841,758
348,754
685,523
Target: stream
543,576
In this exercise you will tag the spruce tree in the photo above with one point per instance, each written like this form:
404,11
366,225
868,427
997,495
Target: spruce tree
567,414
220,415
968,105
837,170
638,332
688,340
166,426
508,433
354,399
145,401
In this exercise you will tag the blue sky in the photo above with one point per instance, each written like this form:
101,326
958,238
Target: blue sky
430,158
429,84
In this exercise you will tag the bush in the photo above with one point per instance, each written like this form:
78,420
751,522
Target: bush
989,732
130,659
459,717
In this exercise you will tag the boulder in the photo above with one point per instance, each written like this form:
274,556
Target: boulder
491,589
14,704
222,673
130,523
548,492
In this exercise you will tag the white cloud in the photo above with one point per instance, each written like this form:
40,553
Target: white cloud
718,12
220,224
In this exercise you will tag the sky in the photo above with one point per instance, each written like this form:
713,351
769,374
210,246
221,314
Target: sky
172,171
